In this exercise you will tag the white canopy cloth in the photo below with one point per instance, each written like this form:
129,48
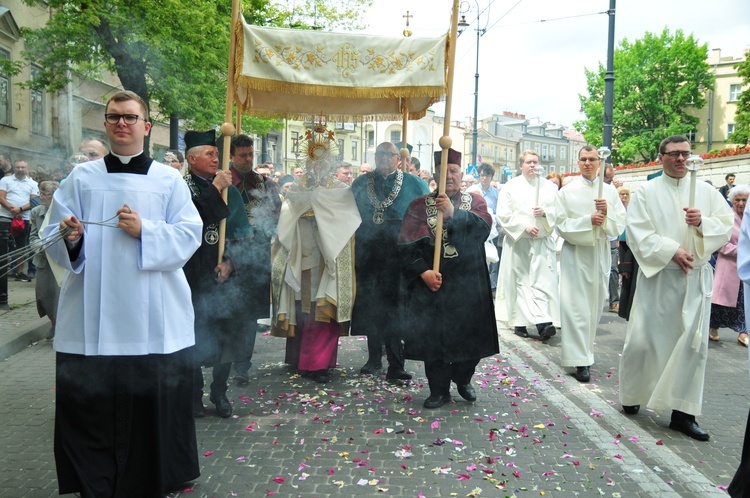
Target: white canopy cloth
344,76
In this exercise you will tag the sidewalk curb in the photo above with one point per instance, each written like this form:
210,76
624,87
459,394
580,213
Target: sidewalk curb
13,341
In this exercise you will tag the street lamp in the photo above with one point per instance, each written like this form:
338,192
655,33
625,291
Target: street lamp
462,25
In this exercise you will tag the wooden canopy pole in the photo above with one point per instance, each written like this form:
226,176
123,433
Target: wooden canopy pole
404,152
445,141
227,128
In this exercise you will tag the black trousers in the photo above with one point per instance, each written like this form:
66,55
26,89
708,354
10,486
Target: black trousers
394,350
220,375
440,374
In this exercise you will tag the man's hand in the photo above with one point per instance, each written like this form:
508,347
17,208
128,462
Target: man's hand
223,270
683,260
625,275
129,221
601,206
597,219
538,212
532,231
15,211
444,204
693,216
432,279
77,226
222,180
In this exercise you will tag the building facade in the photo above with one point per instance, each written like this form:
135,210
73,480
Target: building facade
45,128
717,116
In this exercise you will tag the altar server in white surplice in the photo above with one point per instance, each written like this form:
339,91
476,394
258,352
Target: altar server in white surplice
663,362
585,222
124,336
528,293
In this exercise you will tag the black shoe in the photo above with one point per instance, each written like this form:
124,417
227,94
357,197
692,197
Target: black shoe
371,368
22,277
241,379
521,331
223,406
397,374
547,332
582,374
690,428
199,411
467,392
437,400
631,409
321,376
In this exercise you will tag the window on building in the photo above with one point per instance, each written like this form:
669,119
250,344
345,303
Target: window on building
551,168
395,136
37,106
536,149
545,153
734,92
730,129
295,142
527,146
340,143
370,139
6,93
354,150
562,153
691,136
552,152
562,170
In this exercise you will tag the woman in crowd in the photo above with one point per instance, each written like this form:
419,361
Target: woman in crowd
47,289
555,178
727,300
628,266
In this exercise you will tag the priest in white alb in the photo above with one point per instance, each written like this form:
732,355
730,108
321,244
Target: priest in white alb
528,291
663,362
584,222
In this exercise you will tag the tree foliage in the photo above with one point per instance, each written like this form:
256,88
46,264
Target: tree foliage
172,53
741,133
657,80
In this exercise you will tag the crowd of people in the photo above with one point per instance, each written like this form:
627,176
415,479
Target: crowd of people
332,250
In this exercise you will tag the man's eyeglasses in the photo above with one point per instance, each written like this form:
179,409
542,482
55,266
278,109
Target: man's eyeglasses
677,153
129,119
389,155
588,159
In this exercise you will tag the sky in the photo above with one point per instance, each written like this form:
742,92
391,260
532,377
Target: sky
533,53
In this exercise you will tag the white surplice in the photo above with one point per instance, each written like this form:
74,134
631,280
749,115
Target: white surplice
315,228
527,290
663,361
585,265
125,296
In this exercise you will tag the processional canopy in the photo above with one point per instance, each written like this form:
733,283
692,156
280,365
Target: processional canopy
346,77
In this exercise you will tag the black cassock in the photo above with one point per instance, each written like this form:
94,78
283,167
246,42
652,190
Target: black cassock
456,323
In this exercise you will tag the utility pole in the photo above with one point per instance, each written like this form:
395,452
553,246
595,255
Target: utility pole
609,80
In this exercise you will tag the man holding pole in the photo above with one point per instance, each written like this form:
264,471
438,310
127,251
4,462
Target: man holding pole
382,197
450,320
663,361
586,210
528,292
220,313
